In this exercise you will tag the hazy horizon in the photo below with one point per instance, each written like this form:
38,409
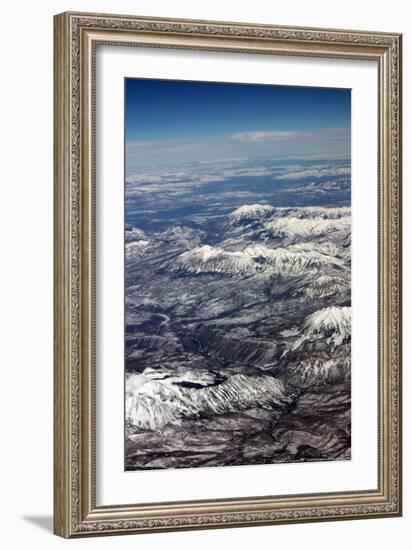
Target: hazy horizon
178,122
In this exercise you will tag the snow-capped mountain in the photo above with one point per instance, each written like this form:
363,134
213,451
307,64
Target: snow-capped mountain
251,212
291,225
152,404
323,286
318,368
307,228
319,350
263,211
134,234
255,258
319,212
136,248
330,324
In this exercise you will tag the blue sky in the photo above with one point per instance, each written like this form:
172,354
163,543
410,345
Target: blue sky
168,121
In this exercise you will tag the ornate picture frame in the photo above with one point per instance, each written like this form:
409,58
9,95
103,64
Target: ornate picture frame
76,511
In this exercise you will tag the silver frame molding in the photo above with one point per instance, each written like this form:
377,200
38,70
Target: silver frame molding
75,38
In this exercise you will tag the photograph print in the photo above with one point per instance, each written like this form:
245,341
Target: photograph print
237,279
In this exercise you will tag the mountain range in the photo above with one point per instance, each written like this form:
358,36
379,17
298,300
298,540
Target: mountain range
237,329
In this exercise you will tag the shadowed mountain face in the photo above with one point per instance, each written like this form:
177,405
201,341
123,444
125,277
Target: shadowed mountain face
238,314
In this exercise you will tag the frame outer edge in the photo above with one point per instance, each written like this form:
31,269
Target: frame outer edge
71,517
62,239
398,306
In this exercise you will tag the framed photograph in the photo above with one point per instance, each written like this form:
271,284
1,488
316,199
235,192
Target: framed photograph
227,274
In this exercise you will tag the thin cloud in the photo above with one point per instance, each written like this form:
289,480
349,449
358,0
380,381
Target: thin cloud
316,172
161,145
258,136
237,145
